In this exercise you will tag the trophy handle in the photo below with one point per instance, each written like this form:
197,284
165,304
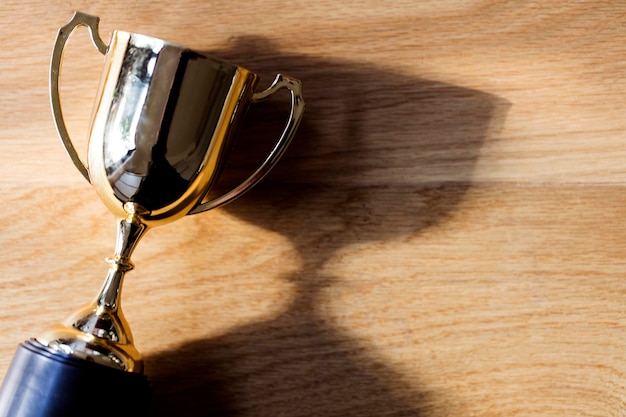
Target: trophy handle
79,19
295,115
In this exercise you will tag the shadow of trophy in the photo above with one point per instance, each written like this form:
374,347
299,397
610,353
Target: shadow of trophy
380,156
160,135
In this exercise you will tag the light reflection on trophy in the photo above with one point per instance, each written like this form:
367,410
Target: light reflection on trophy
161,129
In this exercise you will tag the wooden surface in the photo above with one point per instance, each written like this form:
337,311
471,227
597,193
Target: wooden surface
445,237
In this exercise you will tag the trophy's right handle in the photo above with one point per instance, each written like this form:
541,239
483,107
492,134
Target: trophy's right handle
295,115
79,19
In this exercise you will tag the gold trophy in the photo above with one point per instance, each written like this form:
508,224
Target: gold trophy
160,133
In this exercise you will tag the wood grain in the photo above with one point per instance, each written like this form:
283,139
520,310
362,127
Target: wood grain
445,237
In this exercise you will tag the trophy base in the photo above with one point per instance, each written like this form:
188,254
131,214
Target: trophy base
42,382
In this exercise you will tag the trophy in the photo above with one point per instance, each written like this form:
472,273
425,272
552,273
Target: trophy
161,131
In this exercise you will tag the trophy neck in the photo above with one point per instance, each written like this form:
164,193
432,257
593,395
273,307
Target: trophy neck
99,331
129,232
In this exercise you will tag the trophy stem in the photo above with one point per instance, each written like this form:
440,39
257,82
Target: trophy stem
129,233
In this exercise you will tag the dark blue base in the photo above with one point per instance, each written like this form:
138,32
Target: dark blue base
44,383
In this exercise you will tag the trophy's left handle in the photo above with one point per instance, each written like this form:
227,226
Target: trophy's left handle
79,19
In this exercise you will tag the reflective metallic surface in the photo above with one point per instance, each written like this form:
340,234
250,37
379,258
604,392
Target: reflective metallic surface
161,130
162,125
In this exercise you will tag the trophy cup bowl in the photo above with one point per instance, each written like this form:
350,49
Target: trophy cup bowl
161,130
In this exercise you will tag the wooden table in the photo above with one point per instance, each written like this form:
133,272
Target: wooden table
445,236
